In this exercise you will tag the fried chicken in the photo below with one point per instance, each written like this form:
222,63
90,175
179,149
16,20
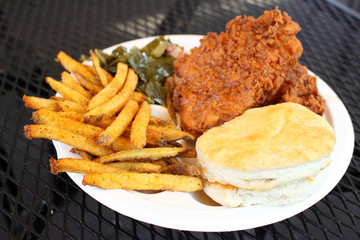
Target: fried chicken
253,63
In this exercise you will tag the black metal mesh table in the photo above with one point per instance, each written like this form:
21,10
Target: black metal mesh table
34,204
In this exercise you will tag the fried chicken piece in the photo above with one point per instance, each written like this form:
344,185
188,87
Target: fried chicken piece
300,87
241,68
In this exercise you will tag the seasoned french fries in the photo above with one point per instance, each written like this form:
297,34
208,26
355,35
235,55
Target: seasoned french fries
72,66
47,117
181,169
58,134
191,153
72,115
121,122
115,104
69,81
170,134
50,118
111,89
151,154
70,106
92,87
142,167
104,78
109,125
39,103
91,69
67,92
139,126
121,143
84,155
138,97
81,166
143,181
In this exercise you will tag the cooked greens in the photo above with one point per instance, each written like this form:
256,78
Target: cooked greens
150,63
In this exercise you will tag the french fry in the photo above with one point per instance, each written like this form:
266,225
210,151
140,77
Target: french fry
121,143
120,124
139,125
70,106
69,81
191,153
138,97
47,117
143,181
109,76
72,66
99,70
84,155
172,161
67,92
181,169
151,154
155,139
87,84
57,98
161,163
39,103
72,115
156,121
171,134
81,166
142,167
111,89
91,69
115,104
104,122
58,134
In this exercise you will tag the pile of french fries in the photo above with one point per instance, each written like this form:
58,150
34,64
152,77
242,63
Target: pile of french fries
109,125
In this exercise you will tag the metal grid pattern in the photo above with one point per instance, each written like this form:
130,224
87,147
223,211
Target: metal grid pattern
34,204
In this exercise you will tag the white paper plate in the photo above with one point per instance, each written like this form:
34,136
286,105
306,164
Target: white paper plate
191,211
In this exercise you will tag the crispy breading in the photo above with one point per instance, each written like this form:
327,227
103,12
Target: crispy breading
253,63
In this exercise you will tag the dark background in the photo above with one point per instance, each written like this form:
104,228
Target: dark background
37,205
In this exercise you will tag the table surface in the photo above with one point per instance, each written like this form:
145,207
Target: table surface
34,204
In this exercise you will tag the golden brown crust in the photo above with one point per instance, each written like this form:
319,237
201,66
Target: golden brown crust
275,136
253,63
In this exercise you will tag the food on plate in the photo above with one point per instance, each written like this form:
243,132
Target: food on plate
111,89
148,181
270,155
141,154
38,103
71,82
109,126
121,122
73,66
92,87
103,76
253,63
153,64
142,167
139,125
68,137
67,92
116,103
80,166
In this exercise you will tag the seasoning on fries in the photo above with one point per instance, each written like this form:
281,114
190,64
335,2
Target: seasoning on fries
109,125
144,181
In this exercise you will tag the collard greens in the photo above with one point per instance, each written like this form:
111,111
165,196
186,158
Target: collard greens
150,63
